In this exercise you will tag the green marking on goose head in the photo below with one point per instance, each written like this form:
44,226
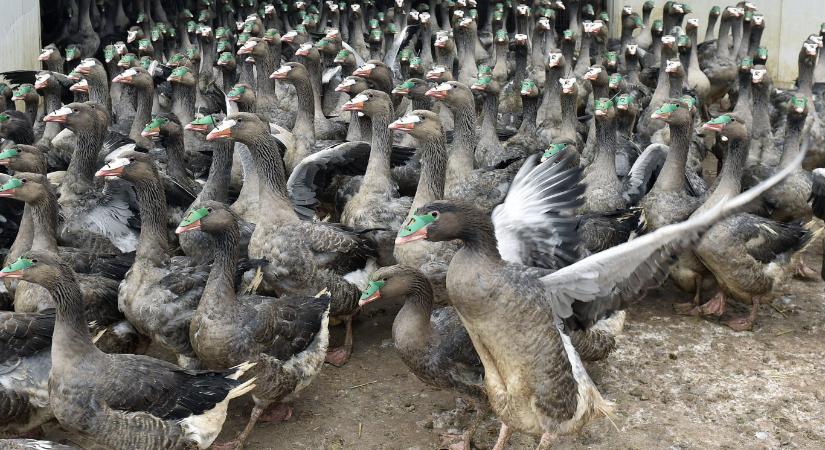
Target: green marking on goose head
799,103
145,62
141,18
624,101
192,220
747,63
144,44
342,56
242,38
416,227
155,124
109,53
192,53
8,153
72,53
689,100
236,91
18,266
683,40
612,58
658,25
602,105
552,151
716,10
191,26
615,80
373,23
372,292
415,62
501,36
528,87
568,35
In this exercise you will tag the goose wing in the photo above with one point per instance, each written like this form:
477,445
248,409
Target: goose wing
535,225
584,292
24,334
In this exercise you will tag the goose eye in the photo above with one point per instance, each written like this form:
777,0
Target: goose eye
24,180
434,213
74,110
34,261
209,209
132,159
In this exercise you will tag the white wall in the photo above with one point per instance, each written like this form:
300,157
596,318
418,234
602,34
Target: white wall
19,34
787,24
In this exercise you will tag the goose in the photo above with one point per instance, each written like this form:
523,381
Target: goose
123,401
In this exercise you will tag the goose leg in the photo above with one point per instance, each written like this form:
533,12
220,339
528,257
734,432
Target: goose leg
237,443
804,272
467,436
716,306
546,440
689,308
339,356
503,437
746,323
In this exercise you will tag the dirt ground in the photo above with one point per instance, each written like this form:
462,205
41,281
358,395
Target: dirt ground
677,382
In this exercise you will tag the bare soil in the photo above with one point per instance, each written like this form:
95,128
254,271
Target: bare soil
678,383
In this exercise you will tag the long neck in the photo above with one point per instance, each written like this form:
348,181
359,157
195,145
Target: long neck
672,176
207,56
433,169
755,40
52,104
468,66
489,118
183,102
426,47
263,68
175,164
606,143
662,85
56,64
304,129
378,176
152,243
568,114
723,44
314,69
81,171
143,113
521,66
737,37
584,54
694,52
675,81
99,92
761,109
793,136
71,341
44,219
730,177
745,101
632,66
551,103
219,292
530,106
411,329
479,238
220,173
806,78
711,27
460,162
270,167
31,109
247,73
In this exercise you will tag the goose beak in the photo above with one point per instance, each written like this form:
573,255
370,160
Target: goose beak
40,84
375,296
401,91
16,275
656,115
405,127
107,171
8,193
153,132
125,79
624,108
45,55
362,72
193,127
478,87
713,127
417,236
353,106
280,74
223,131
436,94
191,227
58,116
80,86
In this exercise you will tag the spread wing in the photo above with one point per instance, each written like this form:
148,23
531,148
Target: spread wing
535,225
586,291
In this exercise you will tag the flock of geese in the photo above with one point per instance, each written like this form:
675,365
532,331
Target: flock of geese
225,179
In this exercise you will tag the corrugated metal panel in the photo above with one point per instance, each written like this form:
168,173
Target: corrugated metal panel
788,24
19,34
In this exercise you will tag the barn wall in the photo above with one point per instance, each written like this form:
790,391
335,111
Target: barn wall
19,34
787,24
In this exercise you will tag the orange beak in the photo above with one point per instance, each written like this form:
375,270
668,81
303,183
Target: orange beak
436,94
350,106
191,227
417,236
375,296
104,172
216,134
12,275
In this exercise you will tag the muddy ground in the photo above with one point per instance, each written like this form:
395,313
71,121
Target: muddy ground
677,382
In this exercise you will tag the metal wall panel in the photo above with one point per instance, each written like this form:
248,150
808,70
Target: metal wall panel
19,34
788,23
